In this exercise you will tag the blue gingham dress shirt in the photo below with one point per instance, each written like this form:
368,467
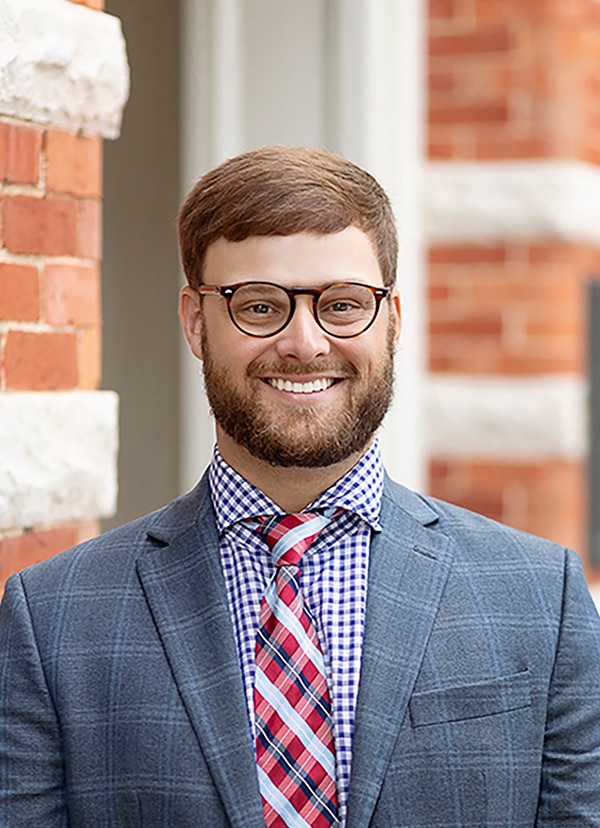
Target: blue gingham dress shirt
334,582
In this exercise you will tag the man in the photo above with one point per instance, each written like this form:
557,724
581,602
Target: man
299,641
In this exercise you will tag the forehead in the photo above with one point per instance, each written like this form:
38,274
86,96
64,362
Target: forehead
300,259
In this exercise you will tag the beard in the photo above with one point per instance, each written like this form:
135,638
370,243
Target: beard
300,435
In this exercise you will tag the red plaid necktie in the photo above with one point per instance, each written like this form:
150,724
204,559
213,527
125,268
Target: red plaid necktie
294,738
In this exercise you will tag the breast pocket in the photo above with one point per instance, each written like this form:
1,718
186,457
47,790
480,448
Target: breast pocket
471,701
465,760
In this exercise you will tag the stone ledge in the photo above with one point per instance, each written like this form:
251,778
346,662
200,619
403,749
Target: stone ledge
506,417
63,65
59,457
483,201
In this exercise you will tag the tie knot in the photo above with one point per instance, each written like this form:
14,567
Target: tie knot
289,536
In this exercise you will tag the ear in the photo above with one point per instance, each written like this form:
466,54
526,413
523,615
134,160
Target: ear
190,316
396,311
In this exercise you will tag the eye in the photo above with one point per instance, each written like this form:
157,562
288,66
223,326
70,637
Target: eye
259,308
340,306
342,309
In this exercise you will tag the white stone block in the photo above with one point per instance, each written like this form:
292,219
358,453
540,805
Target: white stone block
506,417
63,65
58,456
481,201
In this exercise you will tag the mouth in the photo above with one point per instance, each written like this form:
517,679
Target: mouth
311,387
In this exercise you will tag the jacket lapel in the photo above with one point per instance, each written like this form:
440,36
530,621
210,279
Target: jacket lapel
409,565
183,583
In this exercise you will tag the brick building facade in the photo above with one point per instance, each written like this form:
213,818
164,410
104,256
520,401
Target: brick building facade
514,145
57,431
512,223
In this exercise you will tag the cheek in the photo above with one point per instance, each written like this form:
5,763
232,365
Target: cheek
366,354
237,354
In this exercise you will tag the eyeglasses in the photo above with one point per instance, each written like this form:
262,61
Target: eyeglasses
344,310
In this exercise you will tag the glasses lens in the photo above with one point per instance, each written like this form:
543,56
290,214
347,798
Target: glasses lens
260,309
346,310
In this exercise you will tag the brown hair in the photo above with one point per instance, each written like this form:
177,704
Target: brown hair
278,191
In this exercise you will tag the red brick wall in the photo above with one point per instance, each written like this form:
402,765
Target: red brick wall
514,79
50,250
512,308
50,211
518,80
50,203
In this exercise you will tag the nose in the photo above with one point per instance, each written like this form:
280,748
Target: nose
302,340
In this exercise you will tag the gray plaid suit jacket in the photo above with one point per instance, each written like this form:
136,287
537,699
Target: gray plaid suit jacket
121,699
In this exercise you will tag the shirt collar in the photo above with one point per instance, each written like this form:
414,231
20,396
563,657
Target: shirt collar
359,491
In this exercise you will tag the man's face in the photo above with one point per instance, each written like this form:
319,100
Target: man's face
341,388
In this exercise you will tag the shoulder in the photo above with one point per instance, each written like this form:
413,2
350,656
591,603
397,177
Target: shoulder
505,571
106,558
474,536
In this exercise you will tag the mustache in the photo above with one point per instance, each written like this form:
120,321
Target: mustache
260,368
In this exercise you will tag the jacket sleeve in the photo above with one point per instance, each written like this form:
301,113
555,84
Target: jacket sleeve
570,783
32,785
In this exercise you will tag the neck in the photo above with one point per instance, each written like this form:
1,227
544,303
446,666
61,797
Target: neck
291,488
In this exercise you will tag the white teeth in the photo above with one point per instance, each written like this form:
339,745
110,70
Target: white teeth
301,387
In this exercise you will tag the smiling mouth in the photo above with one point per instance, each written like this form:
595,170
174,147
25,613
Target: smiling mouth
300,387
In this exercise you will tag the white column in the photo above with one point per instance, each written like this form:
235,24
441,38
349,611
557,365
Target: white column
378,110
211,132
